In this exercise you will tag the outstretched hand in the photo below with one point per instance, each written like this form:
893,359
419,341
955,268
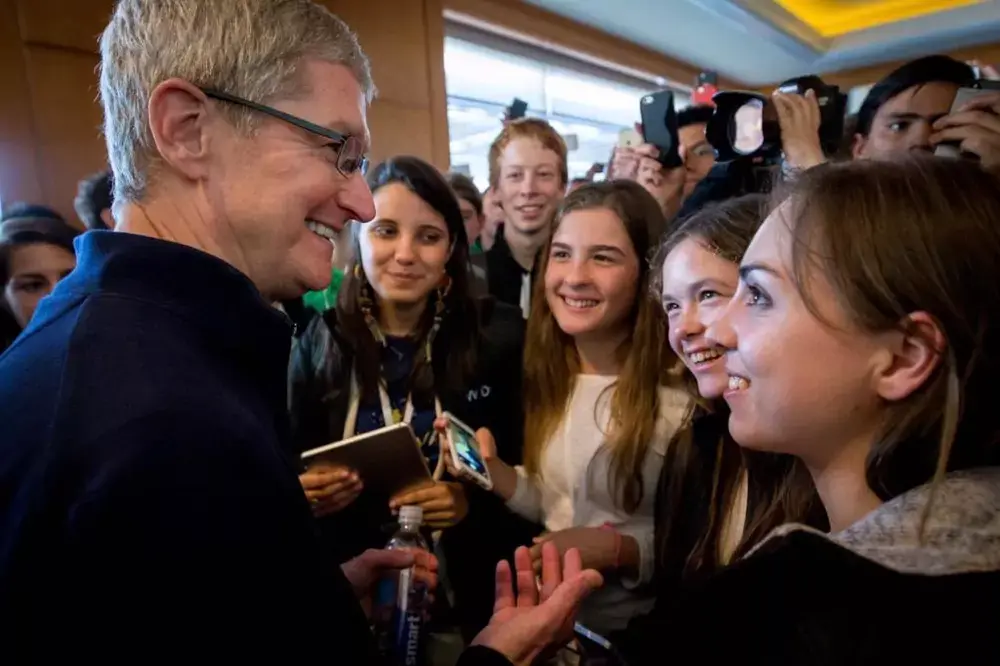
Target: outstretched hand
528,621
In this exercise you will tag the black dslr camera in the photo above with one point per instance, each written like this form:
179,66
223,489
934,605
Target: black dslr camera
745,124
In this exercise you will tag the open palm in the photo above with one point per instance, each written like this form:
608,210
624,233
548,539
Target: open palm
528,621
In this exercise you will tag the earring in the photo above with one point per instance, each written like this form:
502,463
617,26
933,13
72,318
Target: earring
366,303
439,311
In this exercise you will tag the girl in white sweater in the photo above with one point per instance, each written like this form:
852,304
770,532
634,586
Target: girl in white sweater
601,402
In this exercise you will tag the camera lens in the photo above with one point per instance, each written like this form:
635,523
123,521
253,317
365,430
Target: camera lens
748,127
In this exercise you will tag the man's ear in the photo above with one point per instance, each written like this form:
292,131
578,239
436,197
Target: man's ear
916,353
179,115
858,146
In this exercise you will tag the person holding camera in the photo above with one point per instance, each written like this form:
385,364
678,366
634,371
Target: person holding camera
911,109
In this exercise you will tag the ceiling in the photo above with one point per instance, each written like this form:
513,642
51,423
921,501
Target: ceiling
762,42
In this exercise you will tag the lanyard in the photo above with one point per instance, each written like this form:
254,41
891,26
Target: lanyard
388,416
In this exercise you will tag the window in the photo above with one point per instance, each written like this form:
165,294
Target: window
588,110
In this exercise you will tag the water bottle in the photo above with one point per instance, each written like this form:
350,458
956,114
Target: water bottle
400,601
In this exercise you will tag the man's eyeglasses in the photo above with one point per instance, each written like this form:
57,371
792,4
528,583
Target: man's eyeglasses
349,149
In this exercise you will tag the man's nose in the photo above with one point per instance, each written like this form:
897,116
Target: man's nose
919,136
356,199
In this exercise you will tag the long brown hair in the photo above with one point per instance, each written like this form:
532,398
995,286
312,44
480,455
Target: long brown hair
552,362
455,346
703,467
895,238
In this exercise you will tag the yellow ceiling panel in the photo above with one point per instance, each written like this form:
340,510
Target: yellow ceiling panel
831,18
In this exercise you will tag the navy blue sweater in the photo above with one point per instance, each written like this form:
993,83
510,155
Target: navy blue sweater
144,498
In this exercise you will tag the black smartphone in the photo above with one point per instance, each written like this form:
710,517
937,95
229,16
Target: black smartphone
517,109
659,126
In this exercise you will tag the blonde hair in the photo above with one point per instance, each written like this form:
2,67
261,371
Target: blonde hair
249,48
528,128
552,363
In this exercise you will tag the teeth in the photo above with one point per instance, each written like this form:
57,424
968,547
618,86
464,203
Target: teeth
321,230
704,356
574,303
738,383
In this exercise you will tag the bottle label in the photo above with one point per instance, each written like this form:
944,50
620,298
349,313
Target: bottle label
408,620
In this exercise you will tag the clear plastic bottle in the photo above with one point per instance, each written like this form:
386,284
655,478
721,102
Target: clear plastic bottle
401,601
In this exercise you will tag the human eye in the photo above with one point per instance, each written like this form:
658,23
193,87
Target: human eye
559,254
431,237
670,307
899,126
30,286
602,258
756,297
382,230
708,295
513,175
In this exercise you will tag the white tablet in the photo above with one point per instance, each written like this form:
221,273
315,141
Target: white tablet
387,460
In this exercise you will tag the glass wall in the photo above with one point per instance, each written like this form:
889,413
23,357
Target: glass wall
587,110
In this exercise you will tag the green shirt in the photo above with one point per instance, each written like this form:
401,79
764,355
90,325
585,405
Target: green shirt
321,301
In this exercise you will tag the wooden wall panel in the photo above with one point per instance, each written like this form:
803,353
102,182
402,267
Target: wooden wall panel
73,24
405,42
399,130
67,117
18,168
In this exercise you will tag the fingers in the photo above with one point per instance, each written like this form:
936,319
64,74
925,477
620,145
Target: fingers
536,555
450,465
487,445
441,424
426,575
972,139
562,605
340,489
572,563
334,503
383,559
527,588
418,497
320,477
649,151
504,590
985,102
552,570
971,118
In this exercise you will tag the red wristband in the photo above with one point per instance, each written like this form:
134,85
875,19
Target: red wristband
608,527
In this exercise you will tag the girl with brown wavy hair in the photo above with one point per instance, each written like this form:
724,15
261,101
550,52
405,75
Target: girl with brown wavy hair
862,341
715,501
600,396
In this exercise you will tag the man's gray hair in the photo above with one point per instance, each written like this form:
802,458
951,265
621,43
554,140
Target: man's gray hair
250,48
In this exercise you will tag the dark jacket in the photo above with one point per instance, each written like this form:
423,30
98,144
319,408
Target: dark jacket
871,595
504,274
145,503
490,399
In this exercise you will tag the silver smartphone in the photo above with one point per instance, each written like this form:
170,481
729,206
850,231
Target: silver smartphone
465,452
963,97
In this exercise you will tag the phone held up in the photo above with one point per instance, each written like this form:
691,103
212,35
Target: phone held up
465,453
963,97
659,126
